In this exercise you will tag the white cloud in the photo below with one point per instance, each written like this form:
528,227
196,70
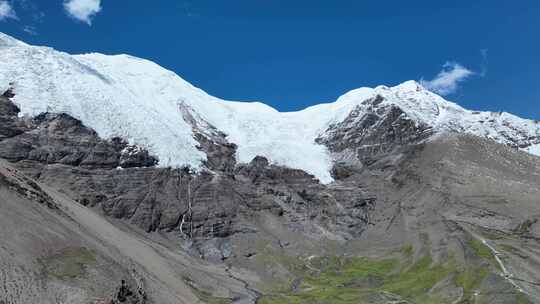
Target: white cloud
83,10
447,81
30,30
6,11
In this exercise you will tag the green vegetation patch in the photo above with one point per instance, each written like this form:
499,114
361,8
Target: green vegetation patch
361,280
522,299
472,276
407,250
70,263
415,282
347,280
470,280
401,279
483,251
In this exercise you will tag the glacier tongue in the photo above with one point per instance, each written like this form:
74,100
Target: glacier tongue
140,101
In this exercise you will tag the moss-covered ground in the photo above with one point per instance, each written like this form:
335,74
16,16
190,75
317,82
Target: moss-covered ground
401,279
69,264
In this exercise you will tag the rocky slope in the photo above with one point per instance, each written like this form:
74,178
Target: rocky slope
402,197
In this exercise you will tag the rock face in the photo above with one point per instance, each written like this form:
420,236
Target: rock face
26,187
61,139
219,152
122,182
125,294
11,126
372,131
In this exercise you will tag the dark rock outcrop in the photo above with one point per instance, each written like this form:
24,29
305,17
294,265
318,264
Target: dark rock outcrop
11,125
219,152
372,131
62,139
26,187
126,294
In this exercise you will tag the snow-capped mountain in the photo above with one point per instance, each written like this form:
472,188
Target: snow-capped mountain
133,98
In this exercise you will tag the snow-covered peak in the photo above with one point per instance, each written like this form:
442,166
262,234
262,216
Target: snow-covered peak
445,116
142,102
8,41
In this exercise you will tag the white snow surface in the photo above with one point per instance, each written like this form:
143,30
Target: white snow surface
534,149
140,101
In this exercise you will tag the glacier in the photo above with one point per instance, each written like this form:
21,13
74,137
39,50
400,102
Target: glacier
138,100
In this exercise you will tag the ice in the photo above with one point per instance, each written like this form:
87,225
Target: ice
140,101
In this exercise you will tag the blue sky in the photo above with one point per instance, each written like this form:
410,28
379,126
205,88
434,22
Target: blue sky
291,54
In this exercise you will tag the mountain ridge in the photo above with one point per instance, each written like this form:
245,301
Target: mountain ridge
139,101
